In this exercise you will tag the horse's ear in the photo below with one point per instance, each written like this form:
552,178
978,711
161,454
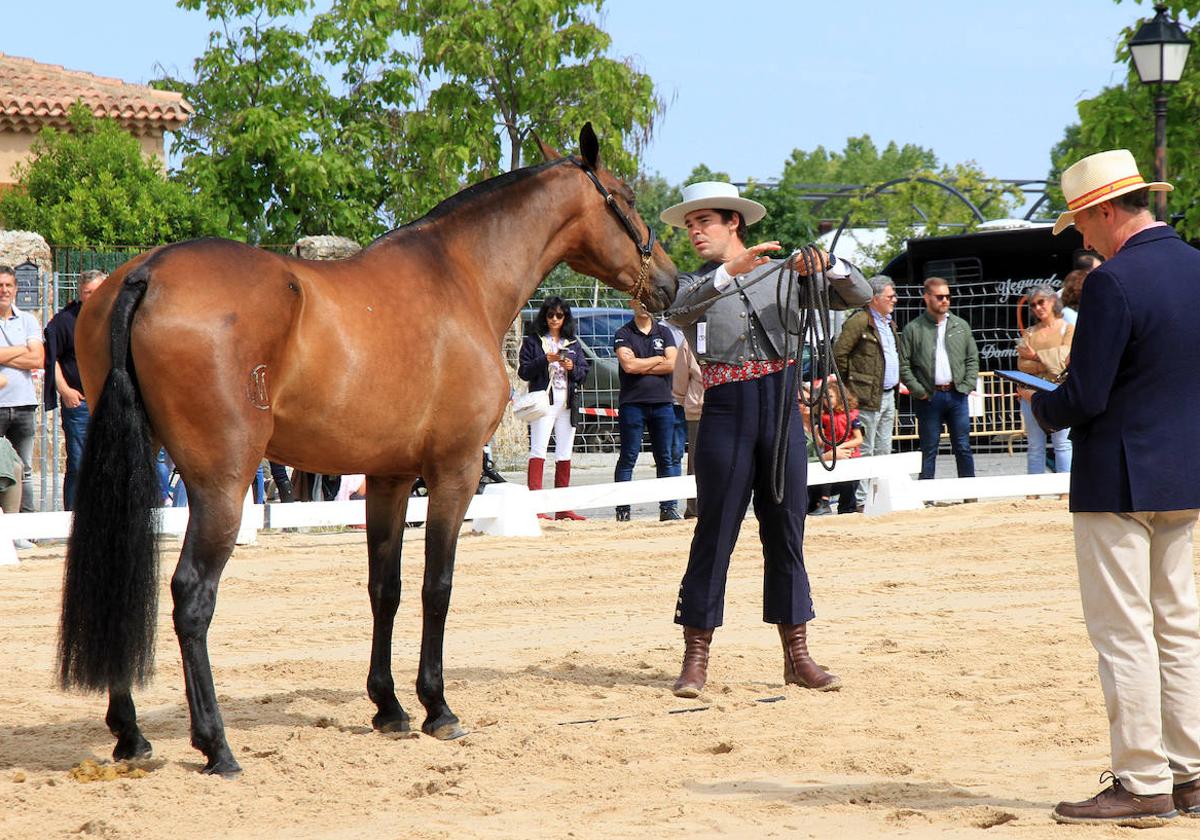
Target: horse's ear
589,146
548,151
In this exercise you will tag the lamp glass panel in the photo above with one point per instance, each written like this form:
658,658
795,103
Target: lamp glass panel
1148,62
1174,58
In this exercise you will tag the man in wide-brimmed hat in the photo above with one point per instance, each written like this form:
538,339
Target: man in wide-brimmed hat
1130,398
739,341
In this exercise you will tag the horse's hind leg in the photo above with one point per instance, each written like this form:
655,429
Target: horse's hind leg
450,493
216,512
387,503
122,722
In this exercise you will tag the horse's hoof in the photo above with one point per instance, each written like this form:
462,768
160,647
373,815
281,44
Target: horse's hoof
226,768
133,748
446,731
391,723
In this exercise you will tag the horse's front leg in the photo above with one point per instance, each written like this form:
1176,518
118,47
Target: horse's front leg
211,533
449,495
387,504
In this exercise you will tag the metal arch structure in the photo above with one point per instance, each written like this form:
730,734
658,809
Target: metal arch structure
920,179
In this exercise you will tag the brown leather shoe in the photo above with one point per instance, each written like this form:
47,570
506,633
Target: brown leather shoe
1187,798
694,674
798,667
1116,806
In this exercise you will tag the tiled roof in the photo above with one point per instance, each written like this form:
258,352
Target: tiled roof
33,95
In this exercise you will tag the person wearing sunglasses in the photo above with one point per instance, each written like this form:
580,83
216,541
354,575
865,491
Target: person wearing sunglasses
1043,351
551,359
939,364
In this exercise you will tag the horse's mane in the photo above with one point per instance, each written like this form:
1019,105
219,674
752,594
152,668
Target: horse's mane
473,194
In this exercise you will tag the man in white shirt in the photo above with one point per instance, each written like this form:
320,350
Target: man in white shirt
939,364
21,353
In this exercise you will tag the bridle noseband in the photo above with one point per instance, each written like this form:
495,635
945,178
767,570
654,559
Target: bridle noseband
641,288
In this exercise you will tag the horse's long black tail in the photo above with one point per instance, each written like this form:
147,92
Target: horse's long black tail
110,585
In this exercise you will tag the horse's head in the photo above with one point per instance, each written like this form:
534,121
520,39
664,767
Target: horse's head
612,242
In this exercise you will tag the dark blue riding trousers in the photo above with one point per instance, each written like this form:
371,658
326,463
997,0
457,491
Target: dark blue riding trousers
733,457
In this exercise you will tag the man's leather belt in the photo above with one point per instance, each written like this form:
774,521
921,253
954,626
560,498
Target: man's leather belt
943,387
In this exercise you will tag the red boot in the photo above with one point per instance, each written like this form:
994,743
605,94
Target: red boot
533,479
562,478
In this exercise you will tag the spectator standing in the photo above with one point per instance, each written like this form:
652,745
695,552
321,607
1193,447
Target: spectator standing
1043,351
61,387
868,360
1134,382
687,387
736,329
1072,288
939,364
646,353
679,437
21,353
552,360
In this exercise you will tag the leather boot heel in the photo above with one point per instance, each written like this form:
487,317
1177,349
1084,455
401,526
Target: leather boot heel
694,674
798,666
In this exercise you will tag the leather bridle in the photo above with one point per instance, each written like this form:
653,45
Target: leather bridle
641,288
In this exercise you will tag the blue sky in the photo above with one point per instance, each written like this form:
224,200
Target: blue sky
995,81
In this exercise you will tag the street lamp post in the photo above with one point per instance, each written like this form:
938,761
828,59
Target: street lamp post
1160,50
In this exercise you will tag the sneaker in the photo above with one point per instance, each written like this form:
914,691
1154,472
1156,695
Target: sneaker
668,515
622,514
21,544
822,509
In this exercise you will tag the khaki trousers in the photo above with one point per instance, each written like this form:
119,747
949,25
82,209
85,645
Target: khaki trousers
1139,601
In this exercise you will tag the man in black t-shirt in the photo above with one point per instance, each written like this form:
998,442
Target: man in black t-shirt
646,352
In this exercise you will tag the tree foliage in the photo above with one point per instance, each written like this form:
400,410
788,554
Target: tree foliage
378,109
1122,117
91,186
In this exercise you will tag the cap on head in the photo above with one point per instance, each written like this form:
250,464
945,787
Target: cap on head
714,195
1098,178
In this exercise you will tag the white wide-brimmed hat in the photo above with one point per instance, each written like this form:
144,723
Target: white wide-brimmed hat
715,195
1099,177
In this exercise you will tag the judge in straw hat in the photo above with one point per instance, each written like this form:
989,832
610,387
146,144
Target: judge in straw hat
1132,389
739,342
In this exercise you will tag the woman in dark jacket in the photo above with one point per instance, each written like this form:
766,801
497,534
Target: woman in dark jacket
552,360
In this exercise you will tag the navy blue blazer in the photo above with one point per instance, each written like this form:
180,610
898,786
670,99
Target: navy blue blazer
1132,395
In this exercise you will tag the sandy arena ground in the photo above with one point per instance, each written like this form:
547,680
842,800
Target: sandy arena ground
970,706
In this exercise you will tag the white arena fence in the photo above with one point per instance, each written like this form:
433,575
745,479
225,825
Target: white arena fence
511,509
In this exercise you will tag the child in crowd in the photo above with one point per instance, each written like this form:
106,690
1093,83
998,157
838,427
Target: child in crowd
841,430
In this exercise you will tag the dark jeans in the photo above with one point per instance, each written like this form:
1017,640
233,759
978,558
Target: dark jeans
74,426
632,420
17,424
949,407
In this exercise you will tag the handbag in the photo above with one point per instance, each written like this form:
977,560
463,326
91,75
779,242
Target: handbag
532,406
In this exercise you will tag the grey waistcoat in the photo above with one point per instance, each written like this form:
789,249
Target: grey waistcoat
746,325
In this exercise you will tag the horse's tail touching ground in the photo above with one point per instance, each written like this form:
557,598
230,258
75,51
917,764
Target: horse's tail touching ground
110,585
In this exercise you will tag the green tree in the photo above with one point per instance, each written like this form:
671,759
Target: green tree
270,143
1122,116
527,69
90,186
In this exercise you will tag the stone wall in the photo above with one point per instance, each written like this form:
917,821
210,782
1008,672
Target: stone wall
18,246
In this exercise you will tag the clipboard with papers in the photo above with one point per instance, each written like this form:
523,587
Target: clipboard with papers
1028,380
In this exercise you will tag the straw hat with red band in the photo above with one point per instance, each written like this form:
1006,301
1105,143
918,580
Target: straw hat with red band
1098,178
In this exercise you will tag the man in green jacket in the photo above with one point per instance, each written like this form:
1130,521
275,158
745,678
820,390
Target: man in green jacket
939,364
867,358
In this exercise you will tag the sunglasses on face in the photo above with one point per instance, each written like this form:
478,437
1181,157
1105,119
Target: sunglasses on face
940,297
557,316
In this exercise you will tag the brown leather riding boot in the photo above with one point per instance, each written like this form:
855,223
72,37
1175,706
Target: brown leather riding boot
695,662
798,667
533,479
562,478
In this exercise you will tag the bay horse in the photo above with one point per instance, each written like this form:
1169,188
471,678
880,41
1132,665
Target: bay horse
387,363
